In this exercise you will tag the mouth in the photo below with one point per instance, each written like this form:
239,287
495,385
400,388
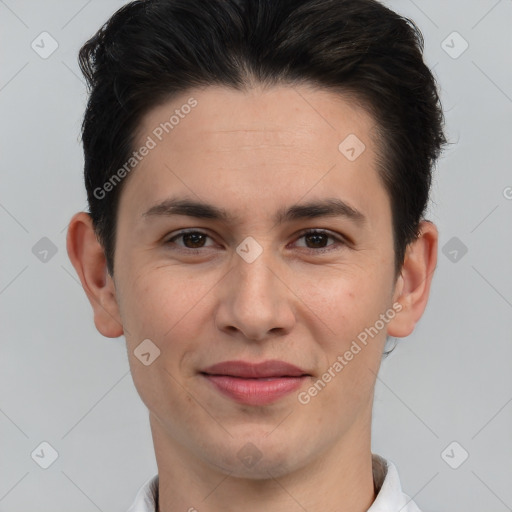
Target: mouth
255,384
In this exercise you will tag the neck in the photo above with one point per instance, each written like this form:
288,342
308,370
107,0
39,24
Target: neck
340,479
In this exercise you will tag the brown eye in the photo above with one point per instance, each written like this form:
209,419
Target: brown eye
191,240
317,240
195,239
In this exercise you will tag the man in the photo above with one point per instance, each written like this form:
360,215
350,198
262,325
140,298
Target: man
257,174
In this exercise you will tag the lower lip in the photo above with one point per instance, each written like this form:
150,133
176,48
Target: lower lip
255,391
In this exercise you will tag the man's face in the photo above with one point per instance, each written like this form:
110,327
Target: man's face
252,289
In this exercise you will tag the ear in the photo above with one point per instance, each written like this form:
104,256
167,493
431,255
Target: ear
413,285
88,258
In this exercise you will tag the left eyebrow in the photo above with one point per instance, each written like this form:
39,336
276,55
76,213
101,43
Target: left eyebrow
330,207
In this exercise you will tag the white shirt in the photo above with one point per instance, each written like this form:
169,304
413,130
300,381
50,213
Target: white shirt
390,497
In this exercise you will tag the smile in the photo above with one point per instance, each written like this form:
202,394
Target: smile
255,384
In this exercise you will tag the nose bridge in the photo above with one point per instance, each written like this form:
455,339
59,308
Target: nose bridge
255,301
254,279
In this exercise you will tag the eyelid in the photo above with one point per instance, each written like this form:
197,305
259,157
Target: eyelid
333,234
180,233
340,239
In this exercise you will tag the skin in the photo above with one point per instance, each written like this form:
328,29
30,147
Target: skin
252,153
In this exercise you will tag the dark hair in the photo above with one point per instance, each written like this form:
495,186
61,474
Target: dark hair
150,51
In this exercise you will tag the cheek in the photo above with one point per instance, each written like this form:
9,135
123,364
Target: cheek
158,296
350,306
159,306
347,301
168,306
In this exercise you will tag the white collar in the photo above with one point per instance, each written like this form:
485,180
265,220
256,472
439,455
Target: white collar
389,499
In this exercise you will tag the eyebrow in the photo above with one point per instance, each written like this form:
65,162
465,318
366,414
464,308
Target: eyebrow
329,207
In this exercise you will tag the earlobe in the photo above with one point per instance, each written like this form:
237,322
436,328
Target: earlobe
88,257
413,285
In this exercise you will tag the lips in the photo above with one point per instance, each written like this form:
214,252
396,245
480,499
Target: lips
267,369
255,384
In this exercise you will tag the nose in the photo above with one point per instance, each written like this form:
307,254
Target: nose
255,301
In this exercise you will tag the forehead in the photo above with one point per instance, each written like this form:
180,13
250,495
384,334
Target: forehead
278,115
277,144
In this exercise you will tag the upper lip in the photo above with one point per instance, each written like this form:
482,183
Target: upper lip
270,368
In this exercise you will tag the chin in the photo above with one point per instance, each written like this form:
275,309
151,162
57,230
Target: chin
263,469
255,458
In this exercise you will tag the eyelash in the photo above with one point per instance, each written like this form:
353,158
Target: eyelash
307,232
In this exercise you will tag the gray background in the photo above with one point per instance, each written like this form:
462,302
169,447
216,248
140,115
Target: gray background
64,383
